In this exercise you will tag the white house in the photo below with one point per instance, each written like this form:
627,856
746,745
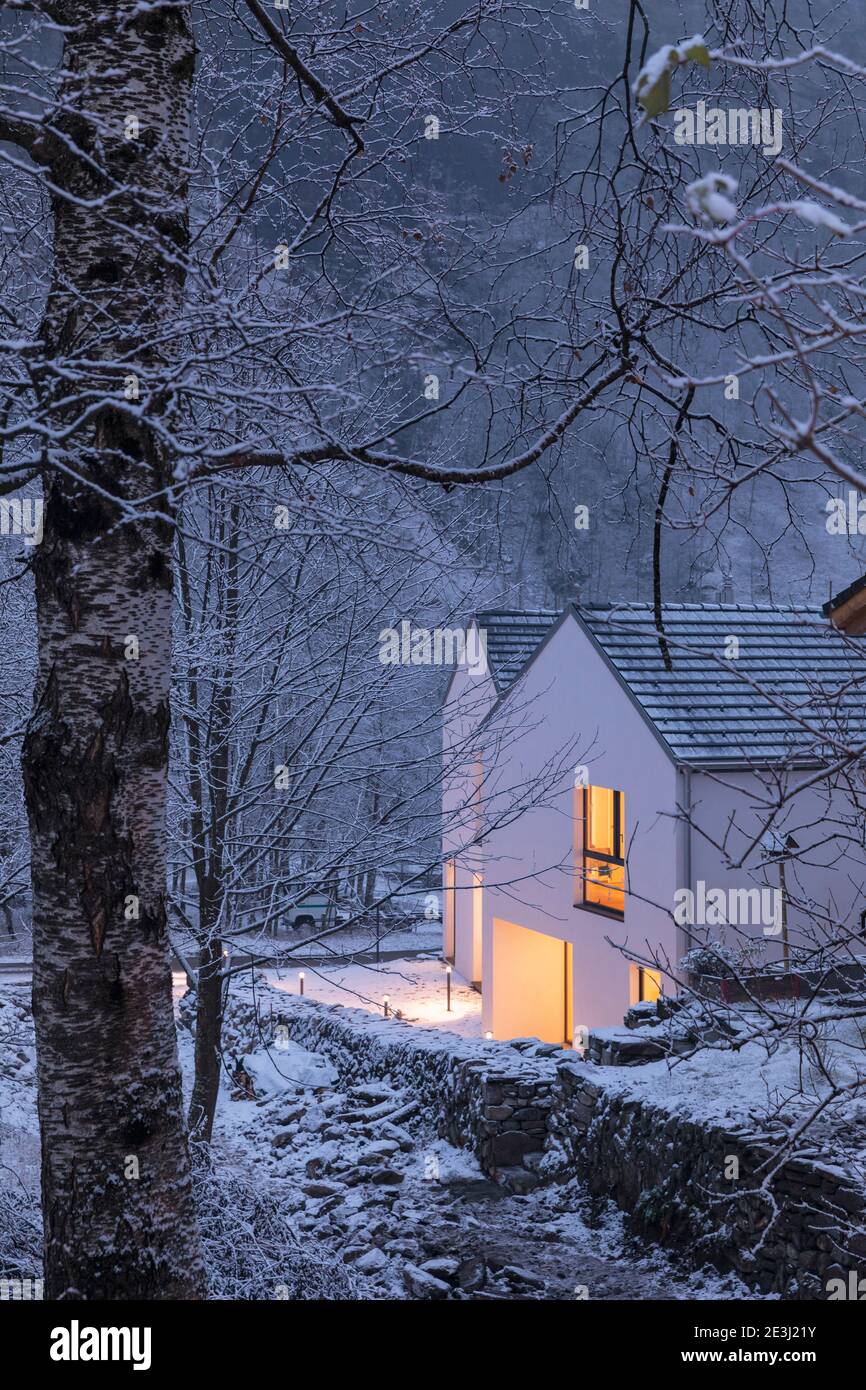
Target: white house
608,786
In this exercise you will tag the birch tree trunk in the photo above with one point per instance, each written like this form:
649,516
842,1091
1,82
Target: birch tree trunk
116,1186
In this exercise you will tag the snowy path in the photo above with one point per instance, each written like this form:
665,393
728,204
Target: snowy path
369,1183
413,1217
409,1235
416,990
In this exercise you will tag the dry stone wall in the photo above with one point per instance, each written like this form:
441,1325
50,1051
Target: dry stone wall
697,1186
552,1116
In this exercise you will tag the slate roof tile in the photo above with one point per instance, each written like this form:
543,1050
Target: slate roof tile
812,697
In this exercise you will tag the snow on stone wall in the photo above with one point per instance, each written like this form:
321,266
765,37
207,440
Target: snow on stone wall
676,1178
551,1117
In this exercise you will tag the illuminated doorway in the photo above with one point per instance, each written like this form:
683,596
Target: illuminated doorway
530,983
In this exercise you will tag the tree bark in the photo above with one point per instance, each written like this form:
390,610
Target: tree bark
210,770
208,1040
116,1186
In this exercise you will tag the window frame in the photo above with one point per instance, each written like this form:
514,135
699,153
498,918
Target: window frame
599,856
638,975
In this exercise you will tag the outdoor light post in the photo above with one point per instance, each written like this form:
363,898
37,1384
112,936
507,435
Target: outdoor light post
300,981
448,986
386,999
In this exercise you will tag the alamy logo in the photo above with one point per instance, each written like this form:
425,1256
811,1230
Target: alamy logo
854,1289
22,516
438,646
736,907
734,125
846,516
77,1343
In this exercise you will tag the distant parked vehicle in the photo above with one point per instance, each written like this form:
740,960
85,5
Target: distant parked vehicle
313,912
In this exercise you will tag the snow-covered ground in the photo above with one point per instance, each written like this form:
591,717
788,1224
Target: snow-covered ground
416,990
369,1183
370,1186
770,1083
414,1217
417,935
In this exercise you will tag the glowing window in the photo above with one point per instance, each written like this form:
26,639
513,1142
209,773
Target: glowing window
649,985
604,849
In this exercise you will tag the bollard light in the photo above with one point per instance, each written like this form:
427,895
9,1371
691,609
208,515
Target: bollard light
448,987
301,981
386,1000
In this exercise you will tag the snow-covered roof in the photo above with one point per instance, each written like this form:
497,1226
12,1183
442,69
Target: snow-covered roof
791,687
707,709
512,637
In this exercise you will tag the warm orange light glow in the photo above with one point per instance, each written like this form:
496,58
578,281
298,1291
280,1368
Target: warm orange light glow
603,849
645,986
599,820
650,984
605,884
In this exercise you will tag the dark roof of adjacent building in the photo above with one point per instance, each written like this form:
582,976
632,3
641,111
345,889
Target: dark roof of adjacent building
839,599
795,689
512,638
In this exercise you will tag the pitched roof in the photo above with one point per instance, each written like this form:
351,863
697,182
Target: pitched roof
704,709
512,637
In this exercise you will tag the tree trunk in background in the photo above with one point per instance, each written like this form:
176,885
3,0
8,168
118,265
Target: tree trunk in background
116,1185
210,741
208,1040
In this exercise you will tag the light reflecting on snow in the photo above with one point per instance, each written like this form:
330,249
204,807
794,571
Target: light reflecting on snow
415,988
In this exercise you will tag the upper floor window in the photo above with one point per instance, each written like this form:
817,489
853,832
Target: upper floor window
604,849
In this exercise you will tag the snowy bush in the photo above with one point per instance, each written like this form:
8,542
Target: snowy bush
251,1249
20,1232
714,959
